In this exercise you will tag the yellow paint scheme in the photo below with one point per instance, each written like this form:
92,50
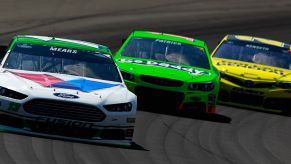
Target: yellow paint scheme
237,73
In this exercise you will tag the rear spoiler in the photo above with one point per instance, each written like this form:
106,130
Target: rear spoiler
3,50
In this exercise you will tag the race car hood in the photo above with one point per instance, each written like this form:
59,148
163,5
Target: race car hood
247,70
53,84
164,70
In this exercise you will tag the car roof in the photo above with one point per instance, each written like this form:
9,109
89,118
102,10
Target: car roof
69,43
259,40
172,37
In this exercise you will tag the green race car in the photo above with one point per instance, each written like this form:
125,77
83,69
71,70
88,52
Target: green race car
169,71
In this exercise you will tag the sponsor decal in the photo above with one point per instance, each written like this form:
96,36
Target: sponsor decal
258,47
65,122
45,38
166,65
168,42
262,40
13,107
58,49
251,66
66,96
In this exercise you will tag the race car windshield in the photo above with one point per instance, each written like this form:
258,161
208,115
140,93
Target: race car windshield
42,58
255,53
168,51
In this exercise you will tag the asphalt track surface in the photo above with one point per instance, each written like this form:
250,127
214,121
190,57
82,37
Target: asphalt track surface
232,136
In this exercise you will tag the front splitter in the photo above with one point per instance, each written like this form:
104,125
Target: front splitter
27,132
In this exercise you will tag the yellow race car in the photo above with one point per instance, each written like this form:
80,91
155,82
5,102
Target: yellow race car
255,73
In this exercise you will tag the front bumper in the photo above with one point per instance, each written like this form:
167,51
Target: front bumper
4,128
104,135
172,97
267,99
114,129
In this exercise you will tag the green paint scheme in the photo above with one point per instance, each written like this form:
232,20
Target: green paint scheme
191,98
59,43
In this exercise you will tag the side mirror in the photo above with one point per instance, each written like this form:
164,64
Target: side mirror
3,50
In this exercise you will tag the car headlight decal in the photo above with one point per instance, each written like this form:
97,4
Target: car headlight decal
11,94
207,86
123,107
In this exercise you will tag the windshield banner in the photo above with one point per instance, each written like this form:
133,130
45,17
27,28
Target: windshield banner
166,65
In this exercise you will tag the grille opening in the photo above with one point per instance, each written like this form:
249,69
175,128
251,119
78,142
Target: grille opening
65,110
161,81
